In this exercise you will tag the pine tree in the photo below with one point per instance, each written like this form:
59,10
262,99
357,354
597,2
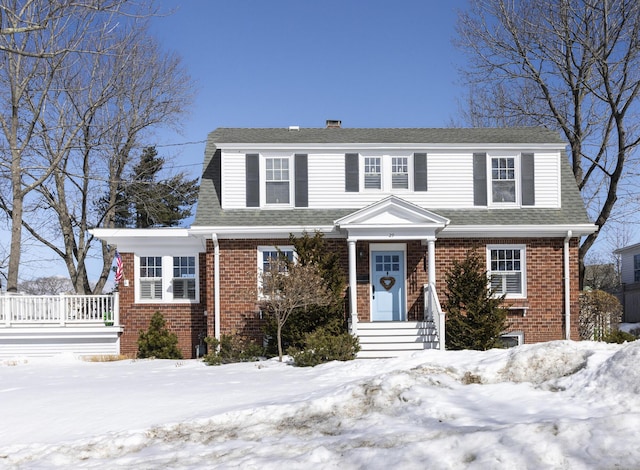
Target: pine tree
313,250
475,318
145,199
158,341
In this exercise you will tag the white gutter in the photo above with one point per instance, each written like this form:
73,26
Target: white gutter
567,287
216,288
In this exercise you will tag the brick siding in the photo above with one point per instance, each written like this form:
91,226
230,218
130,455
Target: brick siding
543,320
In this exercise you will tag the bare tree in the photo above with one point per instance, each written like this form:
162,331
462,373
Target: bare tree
288,287
39,40
46,286
570,65
111,103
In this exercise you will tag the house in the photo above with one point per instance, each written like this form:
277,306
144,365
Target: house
398,205
629,292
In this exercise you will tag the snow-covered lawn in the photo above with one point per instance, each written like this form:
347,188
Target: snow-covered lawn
569,405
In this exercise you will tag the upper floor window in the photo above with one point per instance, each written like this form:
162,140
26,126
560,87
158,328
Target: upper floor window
636,268
151,277
400,173
184,277
372,173
277,180
507,270
503,180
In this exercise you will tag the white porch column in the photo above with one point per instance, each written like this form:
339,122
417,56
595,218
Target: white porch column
353,288
431,243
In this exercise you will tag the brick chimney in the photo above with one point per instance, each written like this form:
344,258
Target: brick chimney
333,124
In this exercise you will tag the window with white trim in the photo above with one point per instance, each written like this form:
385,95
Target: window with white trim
277,180
400,173
506,269
151,277
503,180
372,173
184,277
512,339
268,253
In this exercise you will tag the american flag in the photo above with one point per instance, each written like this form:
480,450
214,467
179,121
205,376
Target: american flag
119,268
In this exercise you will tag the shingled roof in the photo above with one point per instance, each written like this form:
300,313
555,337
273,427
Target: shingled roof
521,135
210,214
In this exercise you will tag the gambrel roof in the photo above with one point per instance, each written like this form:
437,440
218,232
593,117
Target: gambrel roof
210,214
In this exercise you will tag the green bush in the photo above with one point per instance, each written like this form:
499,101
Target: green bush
323,345
158,341
475,316
618,336
231,348
312,250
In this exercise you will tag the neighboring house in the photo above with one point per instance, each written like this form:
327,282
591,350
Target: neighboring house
398,205
629,293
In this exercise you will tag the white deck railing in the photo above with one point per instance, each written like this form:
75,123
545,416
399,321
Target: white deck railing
433,312
59,310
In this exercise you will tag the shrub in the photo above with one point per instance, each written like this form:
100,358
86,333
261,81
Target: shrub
475,318
231,348
600,314
323,345
312,250
618,336
158,341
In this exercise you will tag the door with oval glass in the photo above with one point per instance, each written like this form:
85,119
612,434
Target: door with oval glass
387,286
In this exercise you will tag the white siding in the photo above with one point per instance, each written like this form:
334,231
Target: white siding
233,180
450,179
547,179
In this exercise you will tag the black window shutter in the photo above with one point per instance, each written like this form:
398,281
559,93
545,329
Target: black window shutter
302,182
528,182
351,173
479,179
419,171
253,180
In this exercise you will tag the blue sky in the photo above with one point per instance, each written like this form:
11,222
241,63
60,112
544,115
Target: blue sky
257,63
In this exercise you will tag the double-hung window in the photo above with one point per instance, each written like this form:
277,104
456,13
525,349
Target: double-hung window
184,277
372,173
151,277
266,255
277,180
503,179
507,270
400,173
636,268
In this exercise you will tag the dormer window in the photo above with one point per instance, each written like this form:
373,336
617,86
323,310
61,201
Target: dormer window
503,180
400,173
372,173
277,180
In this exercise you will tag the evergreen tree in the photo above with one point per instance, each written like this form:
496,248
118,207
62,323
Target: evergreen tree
147,200
313,250
475,318
158,341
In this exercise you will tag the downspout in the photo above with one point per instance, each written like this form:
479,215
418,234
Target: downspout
216,286
567,287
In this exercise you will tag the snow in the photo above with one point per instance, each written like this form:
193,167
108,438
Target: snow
561,405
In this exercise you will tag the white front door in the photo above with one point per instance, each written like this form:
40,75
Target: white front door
387,286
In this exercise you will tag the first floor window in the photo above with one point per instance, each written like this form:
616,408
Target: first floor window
184,277
506,270
266,256
277,180
151,277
